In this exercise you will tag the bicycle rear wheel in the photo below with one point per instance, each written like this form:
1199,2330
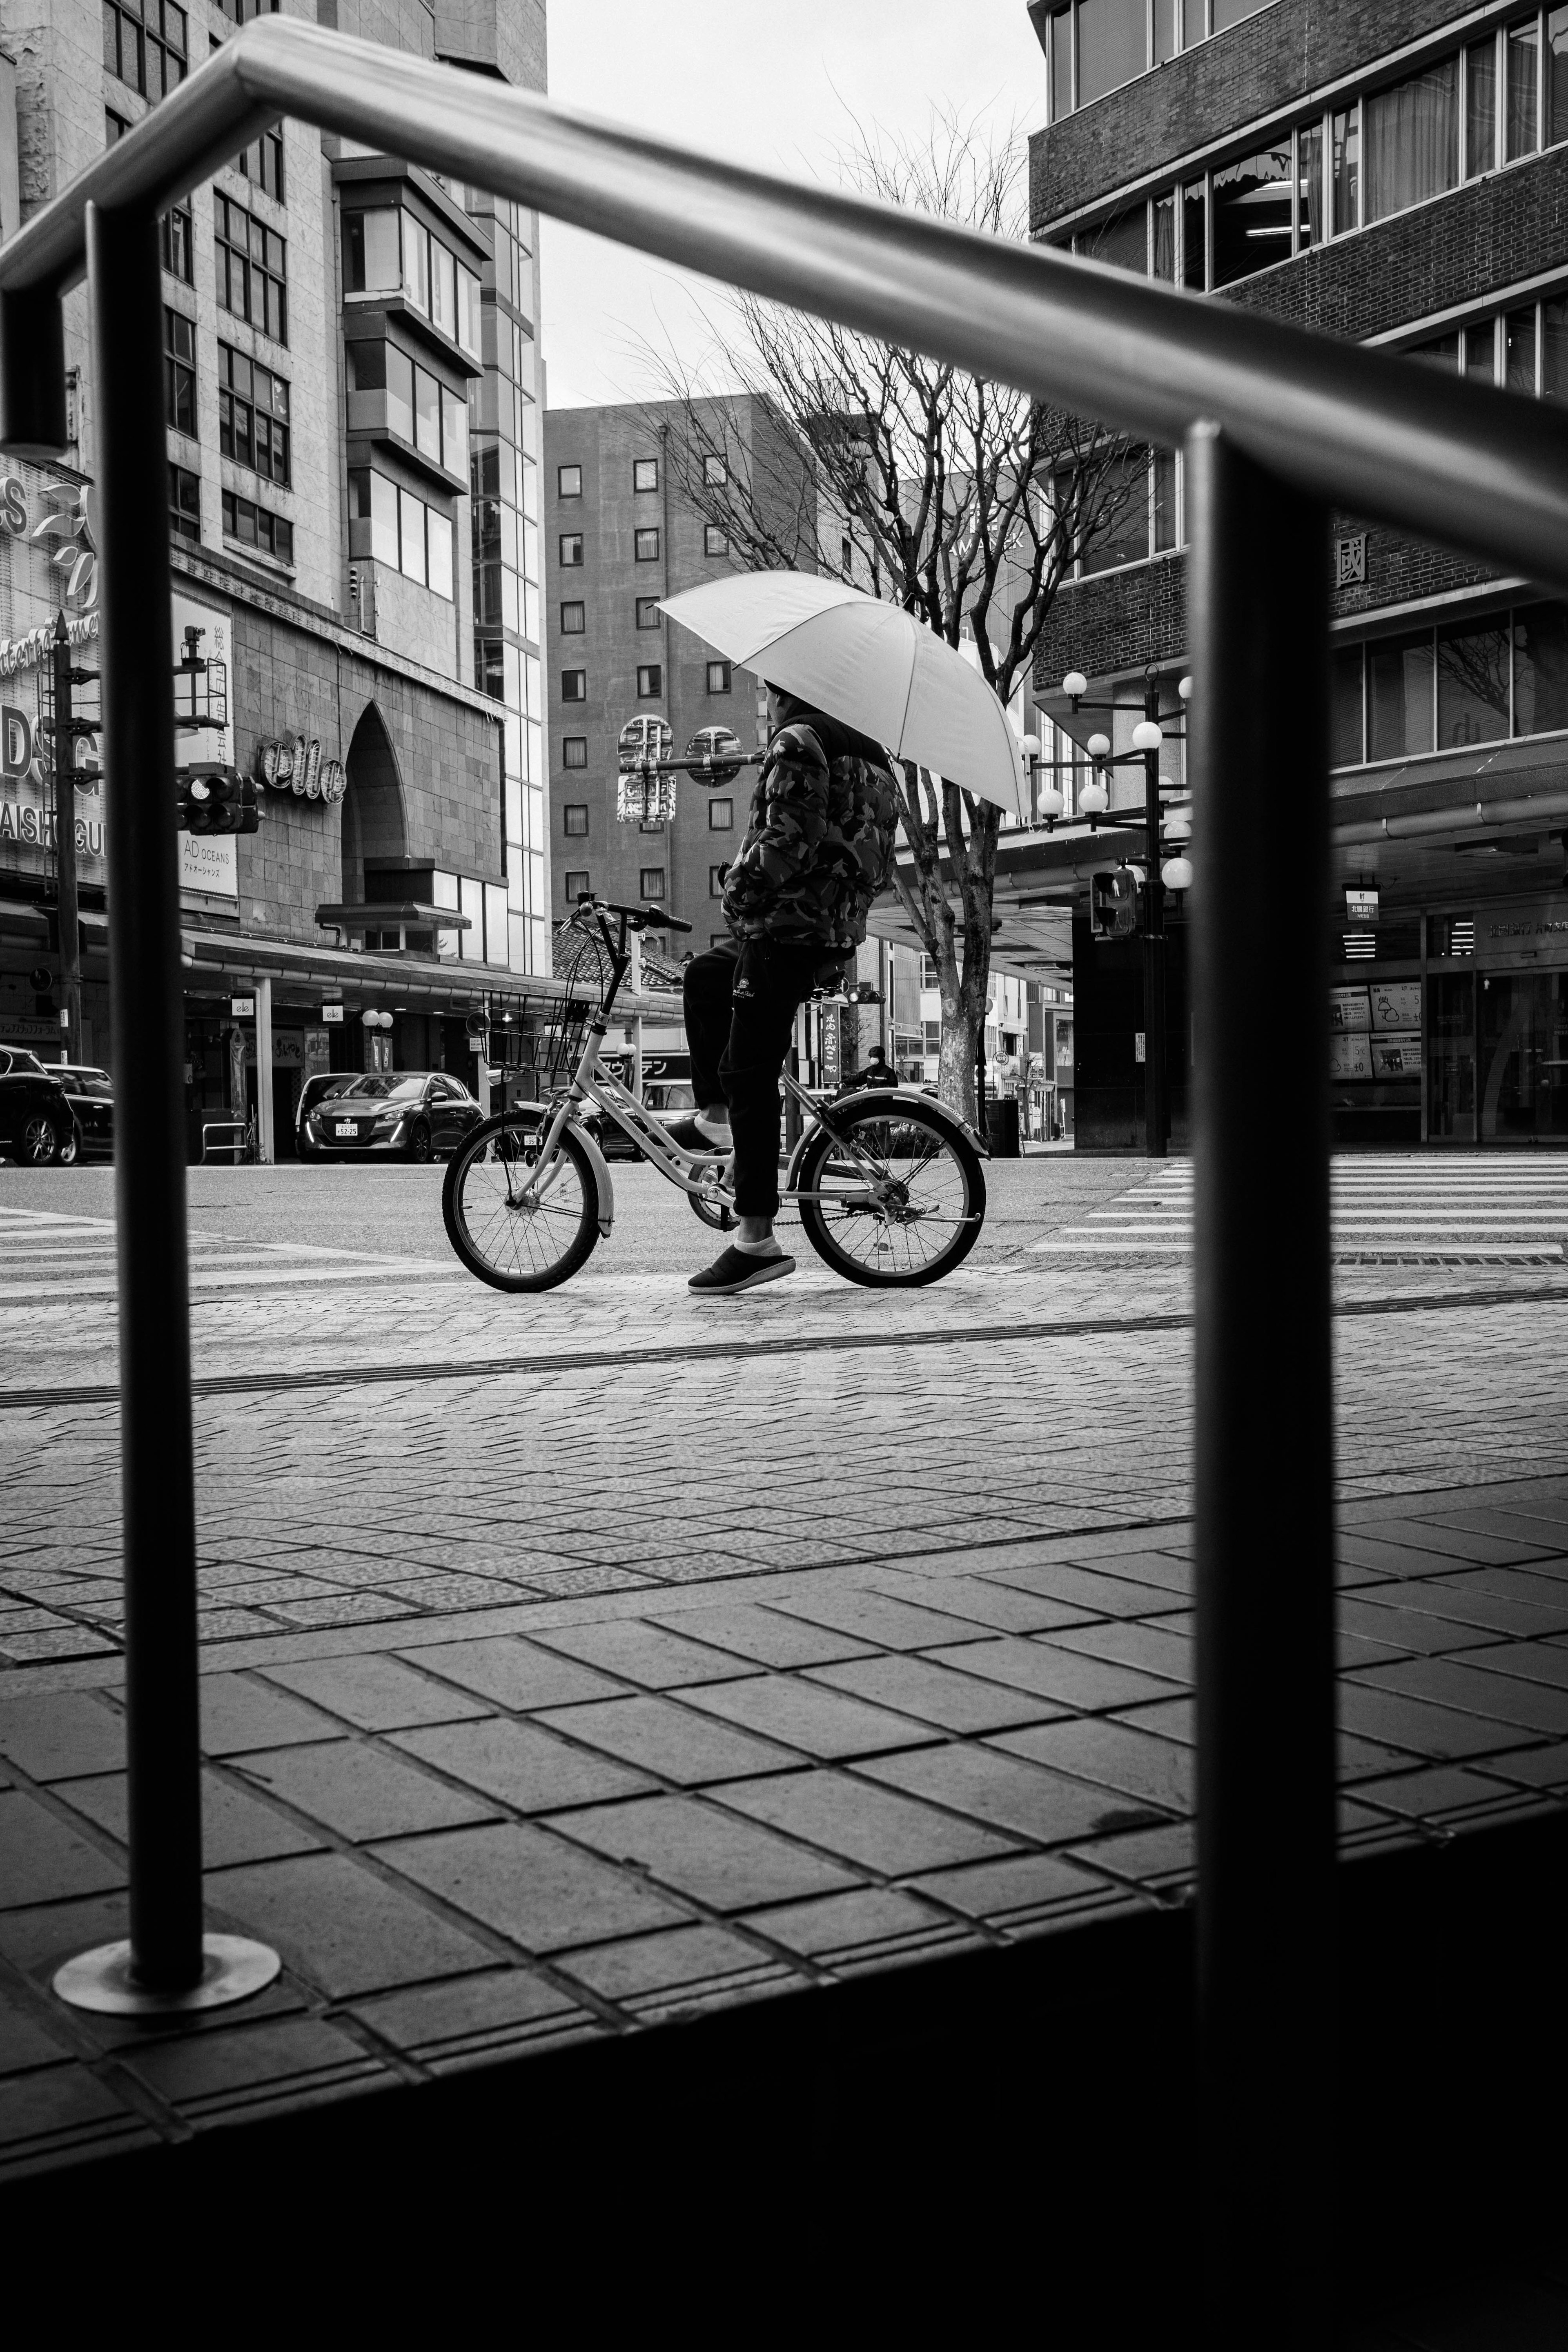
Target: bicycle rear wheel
507,1228
903,1208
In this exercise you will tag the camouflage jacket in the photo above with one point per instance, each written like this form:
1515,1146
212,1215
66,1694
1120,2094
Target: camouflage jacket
819,842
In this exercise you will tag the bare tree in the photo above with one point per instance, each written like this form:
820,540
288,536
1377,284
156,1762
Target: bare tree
960,499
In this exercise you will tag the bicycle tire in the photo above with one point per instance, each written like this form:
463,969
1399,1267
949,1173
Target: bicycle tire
485,1253
957,1212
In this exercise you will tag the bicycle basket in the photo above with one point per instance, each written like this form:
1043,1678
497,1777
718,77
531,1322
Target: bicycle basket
557,1051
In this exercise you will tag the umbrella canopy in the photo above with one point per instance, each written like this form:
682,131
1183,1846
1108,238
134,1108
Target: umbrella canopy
868,664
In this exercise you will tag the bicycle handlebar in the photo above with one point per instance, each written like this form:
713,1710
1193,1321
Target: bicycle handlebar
641,918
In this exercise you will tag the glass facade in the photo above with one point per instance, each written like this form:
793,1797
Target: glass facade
1478,680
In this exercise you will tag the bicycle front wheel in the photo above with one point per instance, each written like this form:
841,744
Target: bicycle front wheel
516,1225
900,1203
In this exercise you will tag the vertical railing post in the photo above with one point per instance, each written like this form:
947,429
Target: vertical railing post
65,841
166,1962
1258,588
1156,1081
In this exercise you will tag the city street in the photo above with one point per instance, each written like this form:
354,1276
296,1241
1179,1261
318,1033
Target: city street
573,1661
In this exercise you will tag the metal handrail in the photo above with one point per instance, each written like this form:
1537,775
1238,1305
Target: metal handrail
1358,427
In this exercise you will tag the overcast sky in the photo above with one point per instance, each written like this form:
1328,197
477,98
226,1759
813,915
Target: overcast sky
771,82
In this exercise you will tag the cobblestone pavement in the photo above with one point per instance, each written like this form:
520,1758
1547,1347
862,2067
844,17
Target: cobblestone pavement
574,1660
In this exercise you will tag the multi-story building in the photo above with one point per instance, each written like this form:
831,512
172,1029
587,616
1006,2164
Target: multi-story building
351,393
1395,173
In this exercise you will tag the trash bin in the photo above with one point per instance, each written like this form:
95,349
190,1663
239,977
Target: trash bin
1002,1127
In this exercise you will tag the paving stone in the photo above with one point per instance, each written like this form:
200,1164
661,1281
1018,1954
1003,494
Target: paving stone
809,1717
1159,1649
1537,1768
1091,1593
673,1742
360,1792
543,1894
1434,1535
377,1693
870,1920
1112,1755
1417,1633
1003,1791
1168,1718
642,1652
1032,1883
524,1766
1162,1566
1153,1857
1420,1729
234,1827
1064,1676
59,1738
468,2016
24,2043
513,1673
1435,1614
1529,1662
976,1601
677,1958
866,1825
40,1937
1427,1796
764,1635
238,1715
937,1694
56,2103
285,2057
343,1928
726,1863
1532,1588
1495,1697
42,1860
888,1624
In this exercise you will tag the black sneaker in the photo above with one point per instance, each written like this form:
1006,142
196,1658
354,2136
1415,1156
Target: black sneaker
687,1136
740,1269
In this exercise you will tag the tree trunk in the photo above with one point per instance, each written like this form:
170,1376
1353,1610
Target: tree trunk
959,1049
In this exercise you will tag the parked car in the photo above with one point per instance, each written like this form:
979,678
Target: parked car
397,1114
38,1124
91,1094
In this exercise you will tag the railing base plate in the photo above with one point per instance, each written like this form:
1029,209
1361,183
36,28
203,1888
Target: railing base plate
233,1968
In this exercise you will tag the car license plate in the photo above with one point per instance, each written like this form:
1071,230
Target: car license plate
346,1127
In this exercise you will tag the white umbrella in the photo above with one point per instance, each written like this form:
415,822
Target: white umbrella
871,666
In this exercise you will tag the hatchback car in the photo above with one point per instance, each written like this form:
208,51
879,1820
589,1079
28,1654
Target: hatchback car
397,1114
91,1096
38,1124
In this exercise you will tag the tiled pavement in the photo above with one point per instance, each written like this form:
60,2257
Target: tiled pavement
676,1659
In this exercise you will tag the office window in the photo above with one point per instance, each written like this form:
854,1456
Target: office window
569,481
1111,46
645,473
1540,668
1519,350
1344,166
174,238
648,612
114,126
1399,696
252,526
180,372
650,882
252,415
1523,89
1473,675
1441,351
1480,107
714,540
373,517
1347,746
716,880
263,162
148,57
576,886
1121,242
717,678
574,752
645,546
573,685
1251,215
715,473
252,267
1556,97
1413,140
574,620
372,256
720,816
243,11
571,550
574,819
184,503
1195,235
650,679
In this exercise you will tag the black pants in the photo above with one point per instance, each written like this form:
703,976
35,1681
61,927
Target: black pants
739,1015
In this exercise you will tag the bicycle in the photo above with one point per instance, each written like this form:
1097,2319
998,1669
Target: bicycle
890,1185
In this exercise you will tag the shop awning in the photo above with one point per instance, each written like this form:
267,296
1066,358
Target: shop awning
416,981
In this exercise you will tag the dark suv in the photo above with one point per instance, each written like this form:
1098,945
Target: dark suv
38,1124
402,1114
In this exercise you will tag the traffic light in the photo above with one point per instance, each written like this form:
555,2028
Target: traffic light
217,800
1113,905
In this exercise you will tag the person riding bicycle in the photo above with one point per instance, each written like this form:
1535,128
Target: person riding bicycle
819,847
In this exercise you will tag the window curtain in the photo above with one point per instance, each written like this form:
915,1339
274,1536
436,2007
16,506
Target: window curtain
1413,140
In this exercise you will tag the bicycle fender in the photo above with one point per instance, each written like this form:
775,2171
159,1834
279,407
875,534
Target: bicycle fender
606,1190
891,1098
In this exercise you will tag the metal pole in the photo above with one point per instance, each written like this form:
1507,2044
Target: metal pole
65,841
1257,585
265,1141
1156,1083
165,1963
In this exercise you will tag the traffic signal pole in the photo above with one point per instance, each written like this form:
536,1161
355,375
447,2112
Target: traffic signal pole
65,841
1156,1073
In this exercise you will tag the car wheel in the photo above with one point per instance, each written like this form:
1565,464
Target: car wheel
38,1141
419,1144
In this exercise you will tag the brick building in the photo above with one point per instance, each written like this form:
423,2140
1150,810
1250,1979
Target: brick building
1396,173
353,396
